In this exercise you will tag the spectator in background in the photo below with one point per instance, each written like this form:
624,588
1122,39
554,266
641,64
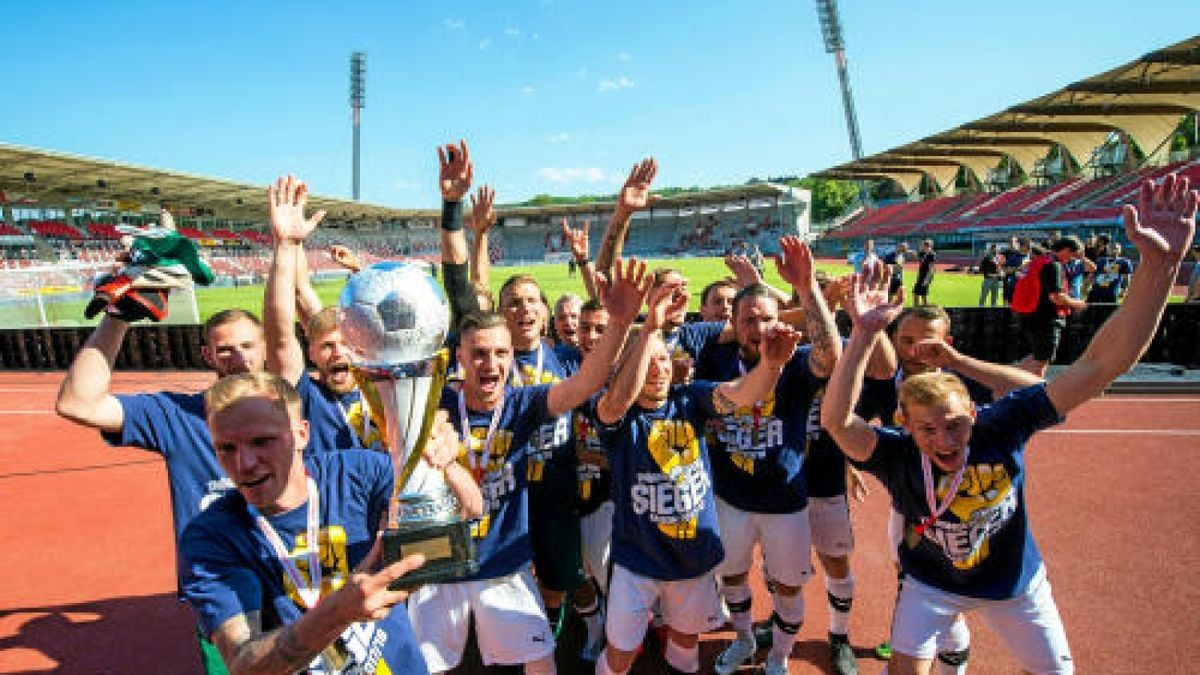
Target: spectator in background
1112,276
993,275
1076,270
865,259
1014,258
895,261
925,272
1193,292
1042,328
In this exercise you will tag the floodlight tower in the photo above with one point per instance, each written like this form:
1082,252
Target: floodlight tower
831,30
358,96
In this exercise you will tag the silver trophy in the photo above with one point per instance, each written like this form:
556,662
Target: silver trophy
395,315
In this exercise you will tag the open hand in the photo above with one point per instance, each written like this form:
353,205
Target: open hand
623,296
935,352
795,263
635,193
869,308
744,272
1164,221
455,171
663,301
483,216
286,201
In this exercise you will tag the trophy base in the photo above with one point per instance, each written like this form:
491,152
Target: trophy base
448,548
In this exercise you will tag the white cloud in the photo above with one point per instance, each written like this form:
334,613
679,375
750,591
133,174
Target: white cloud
454,23
623,56
512,32
573,175
560,137
614,84
485,43
527,90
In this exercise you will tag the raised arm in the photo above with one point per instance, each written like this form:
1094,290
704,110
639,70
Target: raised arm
623,298
871,313
1161,226
635,195
455,172
483,216
1001,379
84,397
778,346
795,265
746,274
630,376
578,241
365,597
289,228
308,303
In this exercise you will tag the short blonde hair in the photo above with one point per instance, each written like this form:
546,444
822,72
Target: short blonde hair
233,389
322,322
931,389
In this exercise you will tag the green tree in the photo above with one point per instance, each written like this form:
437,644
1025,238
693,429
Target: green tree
829,197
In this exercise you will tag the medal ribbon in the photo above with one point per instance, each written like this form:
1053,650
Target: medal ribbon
310,594
468,438
936,510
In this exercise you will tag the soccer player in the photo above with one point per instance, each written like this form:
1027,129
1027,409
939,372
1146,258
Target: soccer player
282,571
169,423
1042,328
665,541
333,405
499,424
566,319
1112,276
758,463
957,473
716,300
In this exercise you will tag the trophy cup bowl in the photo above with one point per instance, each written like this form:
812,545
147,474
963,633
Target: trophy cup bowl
396,317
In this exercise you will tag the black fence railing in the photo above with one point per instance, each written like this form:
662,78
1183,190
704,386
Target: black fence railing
988,333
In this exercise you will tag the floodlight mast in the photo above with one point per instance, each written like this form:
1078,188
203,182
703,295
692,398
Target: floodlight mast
831,31
358,97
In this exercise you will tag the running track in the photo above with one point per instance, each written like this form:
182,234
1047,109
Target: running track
88,576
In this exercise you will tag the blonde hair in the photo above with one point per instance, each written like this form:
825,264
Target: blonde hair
322,322
233,389
931,389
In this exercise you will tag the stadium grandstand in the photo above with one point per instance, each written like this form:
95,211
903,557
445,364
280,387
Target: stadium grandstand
1063,162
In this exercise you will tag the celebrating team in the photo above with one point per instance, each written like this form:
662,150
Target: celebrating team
634,469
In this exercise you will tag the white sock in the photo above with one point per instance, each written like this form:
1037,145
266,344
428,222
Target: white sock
683,659
737,599
785,622
840,593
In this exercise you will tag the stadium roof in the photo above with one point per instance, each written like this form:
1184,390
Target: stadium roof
45,179
1144,98
41,178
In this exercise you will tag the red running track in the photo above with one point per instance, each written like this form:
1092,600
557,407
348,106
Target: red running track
88,566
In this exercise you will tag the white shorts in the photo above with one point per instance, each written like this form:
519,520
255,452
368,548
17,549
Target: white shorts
786,541
1029,624
895,534
595,534
510,621
829,518
690,606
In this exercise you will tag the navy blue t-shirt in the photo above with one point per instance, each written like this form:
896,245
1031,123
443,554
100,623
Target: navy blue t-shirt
592,471
758,451
664,521
229,567
824,462
173,424
335,422
981,546
690,338
1111,276
502,532
552,458
570,357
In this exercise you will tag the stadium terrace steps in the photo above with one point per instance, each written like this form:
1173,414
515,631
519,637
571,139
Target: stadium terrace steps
54,229
7,230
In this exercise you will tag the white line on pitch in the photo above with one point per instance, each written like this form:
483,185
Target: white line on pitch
1143,399
1156,432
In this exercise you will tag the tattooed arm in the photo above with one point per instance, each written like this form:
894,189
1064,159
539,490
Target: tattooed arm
795,265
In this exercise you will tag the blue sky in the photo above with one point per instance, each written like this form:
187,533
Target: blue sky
554,96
